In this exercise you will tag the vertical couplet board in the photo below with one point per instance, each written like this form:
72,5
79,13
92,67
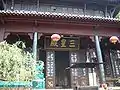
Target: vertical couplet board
74,74
50,69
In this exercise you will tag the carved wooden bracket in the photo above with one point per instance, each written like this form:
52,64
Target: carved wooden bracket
5,35
93,39
31,35
100,38
39,35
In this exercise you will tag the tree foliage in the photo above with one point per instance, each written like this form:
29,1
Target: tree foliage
15,63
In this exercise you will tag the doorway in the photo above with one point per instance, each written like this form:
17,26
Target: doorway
62,75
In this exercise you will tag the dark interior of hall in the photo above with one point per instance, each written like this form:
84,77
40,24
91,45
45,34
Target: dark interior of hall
61,63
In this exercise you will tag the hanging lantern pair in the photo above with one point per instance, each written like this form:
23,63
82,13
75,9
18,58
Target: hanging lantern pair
114,39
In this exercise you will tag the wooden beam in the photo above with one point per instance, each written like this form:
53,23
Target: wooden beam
80,29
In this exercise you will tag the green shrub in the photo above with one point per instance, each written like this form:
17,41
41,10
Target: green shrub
15,63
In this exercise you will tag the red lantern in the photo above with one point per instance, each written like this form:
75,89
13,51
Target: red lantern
55,37
113,39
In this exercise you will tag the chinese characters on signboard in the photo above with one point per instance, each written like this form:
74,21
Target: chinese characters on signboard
64,43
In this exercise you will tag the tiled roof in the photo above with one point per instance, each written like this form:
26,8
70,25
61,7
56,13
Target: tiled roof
57,15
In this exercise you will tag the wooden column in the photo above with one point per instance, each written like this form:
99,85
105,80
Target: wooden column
35,38
100,60
2,32
50,69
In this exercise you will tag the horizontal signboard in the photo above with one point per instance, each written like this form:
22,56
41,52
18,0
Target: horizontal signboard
65,43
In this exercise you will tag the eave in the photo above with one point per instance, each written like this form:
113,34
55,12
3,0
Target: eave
28,16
